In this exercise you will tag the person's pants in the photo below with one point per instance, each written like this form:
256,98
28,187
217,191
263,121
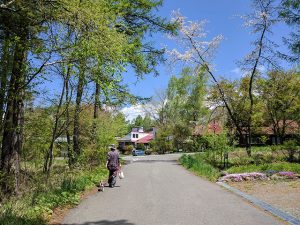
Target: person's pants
112,174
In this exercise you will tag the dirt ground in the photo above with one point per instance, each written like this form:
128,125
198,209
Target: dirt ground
283,194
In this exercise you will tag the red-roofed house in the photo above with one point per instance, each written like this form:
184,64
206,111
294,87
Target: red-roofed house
213,127
290,129
136,136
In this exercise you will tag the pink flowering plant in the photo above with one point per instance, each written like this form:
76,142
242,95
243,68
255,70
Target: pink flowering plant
286,174
243,177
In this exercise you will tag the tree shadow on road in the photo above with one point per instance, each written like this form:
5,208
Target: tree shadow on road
104,222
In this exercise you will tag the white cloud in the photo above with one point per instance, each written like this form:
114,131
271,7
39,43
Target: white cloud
237,71
242,73
131,112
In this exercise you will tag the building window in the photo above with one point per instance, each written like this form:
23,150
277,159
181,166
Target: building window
135,136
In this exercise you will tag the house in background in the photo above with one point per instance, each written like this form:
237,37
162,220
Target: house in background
135,137
213,127
260,135
291,131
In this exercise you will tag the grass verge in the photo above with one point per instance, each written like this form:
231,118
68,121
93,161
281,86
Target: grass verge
36,207
197,165
283,166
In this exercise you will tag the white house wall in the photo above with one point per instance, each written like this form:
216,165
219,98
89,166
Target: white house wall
140,135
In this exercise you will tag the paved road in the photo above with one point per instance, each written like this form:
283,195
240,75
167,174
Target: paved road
158,191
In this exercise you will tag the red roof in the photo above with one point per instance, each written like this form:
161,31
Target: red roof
291,127
213,127
145,139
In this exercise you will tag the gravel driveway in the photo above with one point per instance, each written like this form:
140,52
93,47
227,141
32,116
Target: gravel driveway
158,191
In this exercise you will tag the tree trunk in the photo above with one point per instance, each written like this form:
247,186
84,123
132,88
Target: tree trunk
14,117
68,100
49,154
96,110
97,103
5,65
248,146
80,85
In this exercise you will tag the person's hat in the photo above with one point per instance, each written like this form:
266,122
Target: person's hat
112,148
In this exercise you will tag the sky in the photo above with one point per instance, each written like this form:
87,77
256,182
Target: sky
223,17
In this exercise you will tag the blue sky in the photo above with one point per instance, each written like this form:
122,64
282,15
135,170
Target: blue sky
223,18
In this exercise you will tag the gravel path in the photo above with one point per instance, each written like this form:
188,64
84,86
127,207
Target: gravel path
158,191
283,194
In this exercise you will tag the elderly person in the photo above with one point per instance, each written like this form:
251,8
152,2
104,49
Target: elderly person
113,165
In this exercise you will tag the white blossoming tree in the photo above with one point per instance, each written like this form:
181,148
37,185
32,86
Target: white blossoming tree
260,23
194,48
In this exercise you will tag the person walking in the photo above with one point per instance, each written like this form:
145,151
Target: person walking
113,165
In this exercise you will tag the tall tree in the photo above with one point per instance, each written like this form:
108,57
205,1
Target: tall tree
199,52
184,106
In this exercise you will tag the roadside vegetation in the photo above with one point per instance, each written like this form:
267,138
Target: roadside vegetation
35,206
61,87
62,65
198,165
270,159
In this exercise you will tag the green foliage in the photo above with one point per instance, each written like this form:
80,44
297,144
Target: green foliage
38,126
163,141
281,103
92,156
148,152
262,158
263,139
141,146
98,134
290,13
182,109
147,123
186,96
291,147
128,149
216,146
136,19
237,96
196,163
181,134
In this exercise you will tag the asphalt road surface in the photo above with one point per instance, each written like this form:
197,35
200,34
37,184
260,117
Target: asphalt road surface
158,191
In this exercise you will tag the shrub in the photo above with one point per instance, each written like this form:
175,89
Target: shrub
261,158
216,146
291,147
148,152
241,161
197,164
93,156
128,149
141,146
